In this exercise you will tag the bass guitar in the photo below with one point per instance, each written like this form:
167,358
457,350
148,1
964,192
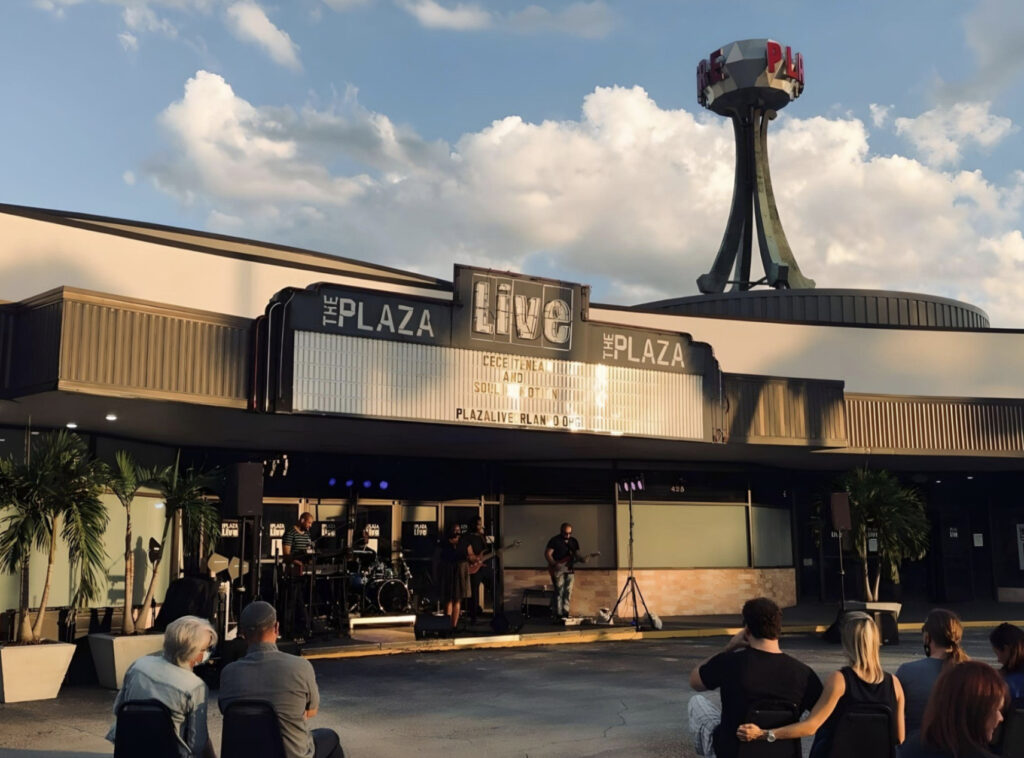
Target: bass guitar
561,566
478,563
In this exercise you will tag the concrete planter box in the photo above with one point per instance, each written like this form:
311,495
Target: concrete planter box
33,672
112,654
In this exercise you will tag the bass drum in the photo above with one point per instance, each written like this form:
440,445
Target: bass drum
387,596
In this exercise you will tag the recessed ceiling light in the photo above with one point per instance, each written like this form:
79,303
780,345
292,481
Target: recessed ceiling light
111,417
969,478
2,439
938,481
72,425
35,434
158,505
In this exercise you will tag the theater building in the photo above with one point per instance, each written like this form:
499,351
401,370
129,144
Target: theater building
389,403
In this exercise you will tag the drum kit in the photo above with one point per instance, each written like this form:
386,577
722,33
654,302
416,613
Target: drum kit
335,585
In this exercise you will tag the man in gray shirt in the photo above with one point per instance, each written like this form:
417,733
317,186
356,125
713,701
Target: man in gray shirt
286,681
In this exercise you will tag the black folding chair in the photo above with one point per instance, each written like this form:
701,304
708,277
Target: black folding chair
1011,741
251,730
145,728
771,715
864,729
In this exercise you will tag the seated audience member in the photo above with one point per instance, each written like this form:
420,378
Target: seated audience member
862,682
1008,644
942,633
751,669
168,677
964,710
286,681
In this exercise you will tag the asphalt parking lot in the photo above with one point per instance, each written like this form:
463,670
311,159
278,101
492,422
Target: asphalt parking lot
602,699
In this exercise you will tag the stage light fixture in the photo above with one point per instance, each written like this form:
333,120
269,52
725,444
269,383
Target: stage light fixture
349,482
632,483
383,484
331,482
367,484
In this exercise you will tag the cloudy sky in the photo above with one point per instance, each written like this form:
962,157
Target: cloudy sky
551,137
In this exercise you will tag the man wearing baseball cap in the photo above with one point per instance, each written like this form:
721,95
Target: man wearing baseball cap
286,681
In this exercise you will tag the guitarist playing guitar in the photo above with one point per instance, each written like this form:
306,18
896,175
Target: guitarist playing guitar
480,571
562,553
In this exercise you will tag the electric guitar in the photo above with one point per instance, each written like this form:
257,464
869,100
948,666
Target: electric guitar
561,566
478,563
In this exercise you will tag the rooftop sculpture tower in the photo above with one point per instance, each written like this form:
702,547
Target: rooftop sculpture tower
749,81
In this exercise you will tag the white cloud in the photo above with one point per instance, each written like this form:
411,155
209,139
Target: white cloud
940,134
142,18
227,148
249,22
128,41
879,114
462,17
629,197
582,19
128,177
593,20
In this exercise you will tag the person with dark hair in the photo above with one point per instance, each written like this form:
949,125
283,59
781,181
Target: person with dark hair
863,682
481,574
750,670
965,707
453,572
1007,643
942,633
562,553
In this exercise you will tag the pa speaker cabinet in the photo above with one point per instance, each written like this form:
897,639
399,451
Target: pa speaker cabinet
537,603
429,626
244,493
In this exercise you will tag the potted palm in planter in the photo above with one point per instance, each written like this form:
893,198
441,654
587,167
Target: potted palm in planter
112,654
52,497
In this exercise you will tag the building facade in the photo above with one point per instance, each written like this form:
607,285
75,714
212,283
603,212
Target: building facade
390,403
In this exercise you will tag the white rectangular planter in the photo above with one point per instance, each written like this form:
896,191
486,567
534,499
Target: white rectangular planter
33,672
112,654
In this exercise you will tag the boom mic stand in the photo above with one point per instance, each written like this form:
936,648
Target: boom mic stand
631,485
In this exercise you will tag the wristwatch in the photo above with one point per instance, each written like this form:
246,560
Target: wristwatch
771,736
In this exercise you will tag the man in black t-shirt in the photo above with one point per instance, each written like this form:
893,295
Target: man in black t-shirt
480,573
562,553
752,669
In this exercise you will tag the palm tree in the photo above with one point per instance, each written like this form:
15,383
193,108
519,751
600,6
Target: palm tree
125,482
896,514
183,492
54,494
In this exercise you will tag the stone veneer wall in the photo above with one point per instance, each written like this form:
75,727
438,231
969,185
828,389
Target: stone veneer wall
668,592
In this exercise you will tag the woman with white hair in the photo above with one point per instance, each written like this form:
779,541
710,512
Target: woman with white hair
168,677
862,682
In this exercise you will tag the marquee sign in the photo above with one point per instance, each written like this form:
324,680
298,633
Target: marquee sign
509,351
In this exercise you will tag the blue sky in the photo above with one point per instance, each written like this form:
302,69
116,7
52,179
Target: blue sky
553,138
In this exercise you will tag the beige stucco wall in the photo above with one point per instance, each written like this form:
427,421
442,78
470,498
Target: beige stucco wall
36,256
668,592
147,521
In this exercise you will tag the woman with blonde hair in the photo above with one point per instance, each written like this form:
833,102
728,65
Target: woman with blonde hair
863,682
941,634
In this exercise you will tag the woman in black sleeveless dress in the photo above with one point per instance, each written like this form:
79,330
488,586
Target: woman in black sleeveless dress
862,683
